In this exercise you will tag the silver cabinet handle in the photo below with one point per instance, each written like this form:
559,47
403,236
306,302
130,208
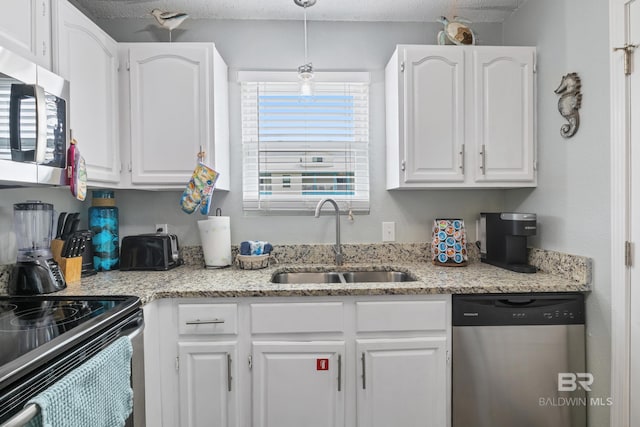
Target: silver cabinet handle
483,159
462,158
204,322
229,377
364,376
339,372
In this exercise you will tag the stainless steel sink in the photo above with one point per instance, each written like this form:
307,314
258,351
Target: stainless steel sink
306,277
342,277
376,276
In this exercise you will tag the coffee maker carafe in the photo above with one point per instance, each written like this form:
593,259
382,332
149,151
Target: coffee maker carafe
503,239
35,272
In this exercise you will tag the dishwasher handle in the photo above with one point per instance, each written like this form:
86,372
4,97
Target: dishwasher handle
516,301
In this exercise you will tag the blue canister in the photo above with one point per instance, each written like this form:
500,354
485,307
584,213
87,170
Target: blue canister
103,221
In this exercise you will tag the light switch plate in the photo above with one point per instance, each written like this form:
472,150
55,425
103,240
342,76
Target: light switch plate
388,231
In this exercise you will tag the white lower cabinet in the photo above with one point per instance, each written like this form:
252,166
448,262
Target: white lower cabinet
300,361
402,382
298,384
207,393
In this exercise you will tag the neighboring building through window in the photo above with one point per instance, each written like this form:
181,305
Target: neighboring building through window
298,148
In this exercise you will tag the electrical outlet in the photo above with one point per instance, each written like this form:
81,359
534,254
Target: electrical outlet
388,231
162,228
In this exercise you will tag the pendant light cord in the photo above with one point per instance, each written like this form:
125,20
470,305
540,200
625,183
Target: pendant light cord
305,34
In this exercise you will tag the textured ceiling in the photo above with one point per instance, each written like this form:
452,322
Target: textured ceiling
324,10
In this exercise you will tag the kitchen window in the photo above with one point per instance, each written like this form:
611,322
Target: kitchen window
297,149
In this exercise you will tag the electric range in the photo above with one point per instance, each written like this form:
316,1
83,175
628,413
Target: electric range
42,338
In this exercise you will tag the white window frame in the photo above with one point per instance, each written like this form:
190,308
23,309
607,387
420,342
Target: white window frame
256,200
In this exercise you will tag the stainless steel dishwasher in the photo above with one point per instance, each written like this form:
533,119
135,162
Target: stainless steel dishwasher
519,360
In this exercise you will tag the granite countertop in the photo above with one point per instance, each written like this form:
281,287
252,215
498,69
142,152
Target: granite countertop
557,273
190,281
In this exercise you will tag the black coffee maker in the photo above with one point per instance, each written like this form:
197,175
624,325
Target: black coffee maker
503,239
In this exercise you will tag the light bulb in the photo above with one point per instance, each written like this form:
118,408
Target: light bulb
305,74
306,88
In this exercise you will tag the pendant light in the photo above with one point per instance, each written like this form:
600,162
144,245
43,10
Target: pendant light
305,71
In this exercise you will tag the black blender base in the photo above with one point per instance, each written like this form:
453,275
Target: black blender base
36,277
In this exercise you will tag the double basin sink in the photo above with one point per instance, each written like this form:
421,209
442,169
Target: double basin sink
342,277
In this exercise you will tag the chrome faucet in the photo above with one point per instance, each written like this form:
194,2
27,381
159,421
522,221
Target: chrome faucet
337,248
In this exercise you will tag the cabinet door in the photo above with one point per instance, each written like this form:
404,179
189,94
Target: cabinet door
504,114
87,57
208,384
25,29
170,88
433,114
298,384
402,382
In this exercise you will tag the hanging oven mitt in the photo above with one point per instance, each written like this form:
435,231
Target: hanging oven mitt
76,171
199,190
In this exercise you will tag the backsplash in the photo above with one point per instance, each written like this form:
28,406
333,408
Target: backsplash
571,267
353,253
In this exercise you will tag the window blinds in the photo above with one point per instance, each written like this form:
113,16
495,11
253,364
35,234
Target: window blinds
298,149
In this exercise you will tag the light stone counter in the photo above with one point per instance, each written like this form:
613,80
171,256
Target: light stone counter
565,273
190,281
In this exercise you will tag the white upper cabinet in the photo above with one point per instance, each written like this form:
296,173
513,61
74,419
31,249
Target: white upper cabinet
87,57
460,117
25,28
504,114
437,110
178,104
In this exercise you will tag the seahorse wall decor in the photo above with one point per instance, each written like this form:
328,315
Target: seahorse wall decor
569,103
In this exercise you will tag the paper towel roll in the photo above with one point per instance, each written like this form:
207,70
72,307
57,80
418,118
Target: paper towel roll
215,234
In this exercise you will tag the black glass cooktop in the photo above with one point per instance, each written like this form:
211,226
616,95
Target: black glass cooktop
32,326
26,325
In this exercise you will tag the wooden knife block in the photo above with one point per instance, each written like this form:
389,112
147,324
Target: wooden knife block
71,267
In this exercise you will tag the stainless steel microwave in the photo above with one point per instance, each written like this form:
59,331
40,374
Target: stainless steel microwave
34,131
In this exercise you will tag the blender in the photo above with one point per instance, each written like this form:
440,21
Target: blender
35,272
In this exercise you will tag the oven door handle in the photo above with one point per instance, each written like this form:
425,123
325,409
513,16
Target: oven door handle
137,331
23,417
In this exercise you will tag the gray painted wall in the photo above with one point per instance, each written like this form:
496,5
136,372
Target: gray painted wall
277,45
572,197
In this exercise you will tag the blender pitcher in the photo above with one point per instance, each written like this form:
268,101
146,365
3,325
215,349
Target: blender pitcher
35,272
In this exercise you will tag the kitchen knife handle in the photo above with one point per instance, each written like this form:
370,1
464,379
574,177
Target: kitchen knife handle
68,223
60,226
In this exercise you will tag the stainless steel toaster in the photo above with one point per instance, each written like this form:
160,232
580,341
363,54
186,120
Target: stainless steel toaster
155,251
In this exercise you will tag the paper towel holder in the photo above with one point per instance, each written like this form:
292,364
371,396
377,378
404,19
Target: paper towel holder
215,236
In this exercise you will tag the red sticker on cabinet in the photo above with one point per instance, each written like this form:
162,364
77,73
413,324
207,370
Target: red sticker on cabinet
322,364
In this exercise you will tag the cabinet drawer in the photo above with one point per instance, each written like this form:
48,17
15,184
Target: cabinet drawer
214,319
297,317
401,316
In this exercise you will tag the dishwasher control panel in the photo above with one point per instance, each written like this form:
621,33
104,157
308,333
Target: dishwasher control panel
518,309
